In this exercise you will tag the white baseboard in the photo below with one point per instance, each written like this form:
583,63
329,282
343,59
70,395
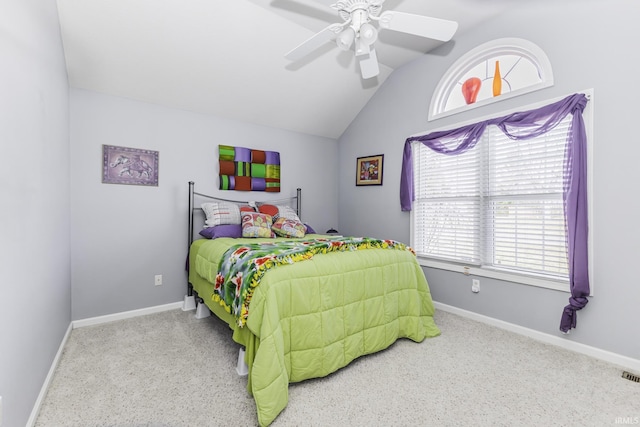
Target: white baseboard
607,356
125,315
45,386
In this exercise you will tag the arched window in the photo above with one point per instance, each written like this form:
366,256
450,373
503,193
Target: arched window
491,72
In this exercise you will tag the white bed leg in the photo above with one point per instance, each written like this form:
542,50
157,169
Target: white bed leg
242,369
189,303
202,311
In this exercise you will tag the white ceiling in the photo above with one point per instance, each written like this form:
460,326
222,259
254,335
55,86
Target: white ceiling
227,57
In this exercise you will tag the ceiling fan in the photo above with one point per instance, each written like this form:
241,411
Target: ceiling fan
358,31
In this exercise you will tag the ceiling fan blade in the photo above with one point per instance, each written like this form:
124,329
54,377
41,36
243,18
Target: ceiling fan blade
419,25
369,64
314,42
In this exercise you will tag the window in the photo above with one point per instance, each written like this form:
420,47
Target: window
517,64
497,209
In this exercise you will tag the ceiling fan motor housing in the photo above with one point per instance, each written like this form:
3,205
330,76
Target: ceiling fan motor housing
366,8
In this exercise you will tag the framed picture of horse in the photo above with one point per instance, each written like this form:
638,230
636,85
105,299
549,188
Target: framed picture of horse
134,166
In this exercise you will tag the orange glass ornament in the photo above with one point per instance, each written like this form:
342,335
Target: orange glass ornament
497,80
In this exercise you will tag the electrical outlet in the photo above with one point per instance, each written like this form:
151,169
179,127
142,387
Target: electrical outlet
475,285
158,279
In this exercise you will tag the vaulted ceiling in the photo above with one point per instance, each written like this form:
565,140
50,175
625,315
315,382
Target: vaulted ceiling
227,57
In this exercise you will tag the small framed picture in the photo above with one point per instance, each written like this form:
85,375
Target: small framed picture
369,170
123,165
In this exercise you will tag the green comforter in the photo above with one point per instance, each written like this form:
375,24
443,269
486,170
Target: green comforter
314,317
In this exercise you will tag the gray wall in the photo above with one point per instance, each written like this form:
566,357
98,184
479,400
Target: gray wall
591,44
123,235
35,283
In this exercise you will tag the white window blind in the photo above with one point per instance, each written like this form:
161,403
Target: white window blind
497,206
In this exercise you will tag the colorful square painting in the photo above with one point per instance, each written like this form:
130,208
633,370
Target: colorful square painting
123,165
369,170
244,169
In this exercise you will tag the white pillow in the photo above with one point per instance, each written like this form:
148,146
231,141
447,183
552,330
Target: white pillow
287,212
221,213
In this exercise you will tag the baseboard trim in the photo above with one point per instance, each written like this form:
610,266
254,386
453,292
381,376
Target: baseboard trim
47,381
607,356
125,315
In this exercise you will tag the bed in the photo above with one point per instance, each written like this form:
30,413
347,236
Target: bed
310,305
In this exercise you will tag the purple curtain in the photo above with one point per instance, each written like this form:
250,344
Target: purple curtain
525,125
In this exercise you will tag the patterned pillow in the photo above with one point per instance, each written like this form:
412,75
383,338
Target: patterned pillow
271,210
219,213
285,227
256,224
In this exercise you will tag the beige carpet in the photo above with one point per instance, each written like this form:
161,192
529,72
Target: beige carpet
170,369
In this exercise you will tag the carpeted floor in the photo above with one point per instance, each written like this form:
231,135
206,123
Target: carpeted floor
170,369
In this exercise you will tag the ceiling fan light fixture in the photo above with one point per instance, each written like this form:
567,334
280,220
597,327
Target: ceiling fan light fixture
368,34
345,38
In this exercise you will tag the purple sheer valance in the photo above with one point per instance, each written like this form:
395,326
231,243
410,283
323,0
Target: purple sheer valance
525,125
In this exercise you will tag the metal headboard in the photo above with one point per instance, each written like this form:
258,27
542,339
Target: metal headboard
193,208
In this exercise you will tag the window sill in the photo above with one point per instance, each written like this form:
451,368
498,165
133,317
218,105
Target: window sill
558,285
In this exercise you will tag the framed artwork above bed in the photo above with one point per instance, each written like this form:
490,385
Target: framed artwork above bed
369,170
246,169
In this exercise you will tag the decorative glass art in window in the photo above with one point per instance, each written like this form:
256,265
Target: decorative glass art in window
491,72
